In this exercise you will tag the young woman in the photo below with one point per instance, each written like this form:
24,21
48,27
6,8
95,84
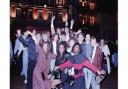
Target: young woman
54,43
71,42
61,76
41,76
78,61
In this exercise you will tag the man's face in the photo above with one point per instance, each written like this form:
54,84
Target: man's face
45,37
80,37
87,38
25,35
18,32
102,41
58,30
63,37
34,32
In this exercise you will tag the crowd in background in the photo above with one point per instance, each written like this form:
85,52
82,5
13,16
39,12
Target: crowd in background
62,58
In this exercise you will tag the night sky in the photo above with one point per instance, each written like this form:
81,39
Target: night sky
103,6
107,6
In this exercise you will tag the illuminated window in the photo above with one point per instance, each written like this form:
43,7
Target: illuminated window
60,2
83,2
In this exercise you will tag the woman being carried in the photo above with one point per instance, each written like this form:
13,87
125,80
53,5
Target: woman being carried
78,61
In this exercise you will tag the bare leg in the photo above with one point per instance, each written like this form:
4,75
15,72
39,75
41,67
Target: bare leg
55,82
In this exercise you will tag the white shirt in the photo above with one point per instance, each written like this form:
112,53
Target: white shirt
105,50
69,49
35,39
54,47
94,52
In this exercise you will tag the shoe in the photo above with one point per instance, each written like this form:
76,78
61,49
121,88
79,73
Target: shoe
25,81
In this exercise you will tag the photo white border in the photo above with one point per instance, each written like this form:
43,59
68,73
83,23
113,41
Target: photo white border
123,44
122,41
4,45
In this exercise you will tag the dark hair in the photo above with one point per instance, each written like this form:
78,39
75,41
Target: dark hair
57,35
65,48
103,41
42,44
72,38
79,47
63,33
88,34
44,32
94,38
29,36
80,34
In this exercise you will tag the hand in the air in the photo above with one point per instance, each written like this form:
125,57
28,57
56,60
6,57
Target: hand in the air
72,21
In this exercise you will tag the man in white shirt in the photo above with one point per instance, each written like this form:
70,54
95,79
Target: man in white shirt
105,50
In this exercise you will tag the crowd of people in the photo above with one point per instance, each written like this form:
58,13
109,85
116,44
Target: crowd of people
61,58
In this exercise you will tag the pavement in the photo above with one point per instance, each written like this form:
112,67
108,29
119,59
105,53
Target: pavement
17,81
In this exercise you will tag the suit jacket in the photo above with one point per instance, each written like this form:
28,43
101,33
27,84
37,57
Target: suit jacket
98,59
30,43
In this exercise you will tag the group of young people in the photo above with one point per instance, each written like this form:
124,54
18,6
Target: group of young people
61,58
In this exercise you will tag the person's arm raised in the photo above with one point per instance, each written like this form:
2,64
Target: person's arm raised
72,23
52,25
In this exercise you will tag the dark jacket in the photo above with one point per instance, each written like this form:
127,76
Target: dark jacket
60,60
30,43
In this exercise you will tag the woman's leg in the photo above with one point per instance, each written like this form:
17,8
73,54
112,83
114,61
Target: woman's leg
55,82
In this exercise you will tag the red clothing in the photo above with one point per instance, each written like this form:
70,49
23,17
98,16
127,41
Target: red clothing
86,63
78,75
97,61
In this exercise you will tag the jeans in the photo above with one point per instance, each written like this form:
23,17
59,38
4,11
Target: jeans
25,63
115,59
94,83
31,66
52,64
88,77
108,65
